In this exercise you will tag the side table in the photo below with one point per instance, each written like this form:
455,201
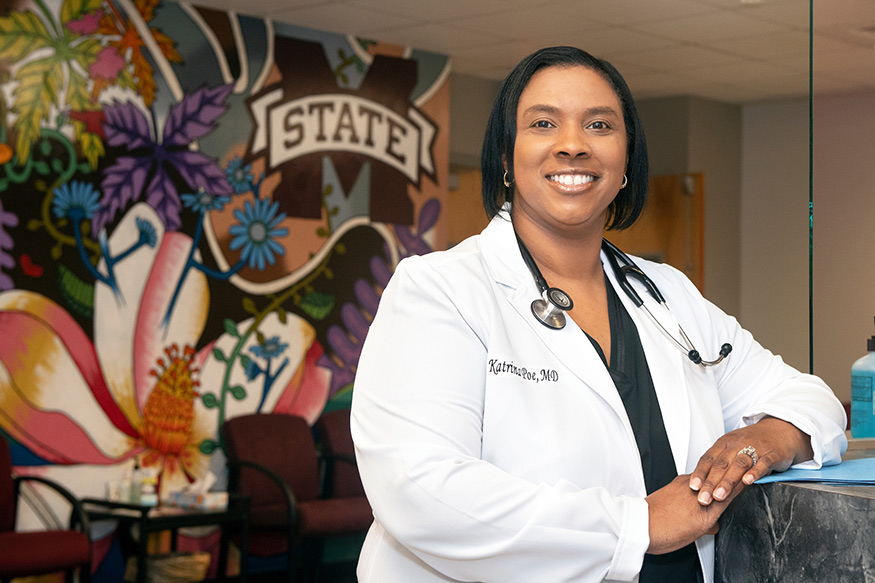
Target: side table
151,519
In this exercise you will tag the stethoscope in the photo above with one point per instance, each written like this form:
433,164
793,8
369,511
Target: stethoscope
551,307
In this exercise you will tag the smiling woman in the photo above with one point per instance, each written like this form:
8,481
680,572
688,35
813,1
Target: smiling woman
579,453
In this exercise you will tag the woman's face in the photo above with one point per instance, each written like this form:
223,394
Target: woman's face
570,150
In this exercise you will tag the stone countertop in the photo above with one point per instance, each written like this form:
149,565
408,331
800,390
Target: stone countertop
800,532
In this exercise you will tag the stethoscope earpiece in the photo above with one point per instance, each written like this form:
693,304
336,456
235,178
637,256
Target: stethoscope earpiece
724,352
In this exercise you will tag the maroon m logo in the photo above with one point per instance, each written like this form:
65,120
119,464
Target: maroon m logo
306,116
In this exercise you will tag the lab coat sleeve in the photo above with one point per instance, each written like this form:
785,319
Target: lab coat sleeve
755,383
417,425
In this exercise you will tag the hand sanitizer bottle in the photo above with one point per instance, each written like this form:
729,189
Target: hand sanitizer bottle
862,385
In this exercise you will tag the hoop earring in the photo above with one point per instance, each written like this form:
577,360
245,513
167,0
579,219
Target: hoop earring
625,182
507,183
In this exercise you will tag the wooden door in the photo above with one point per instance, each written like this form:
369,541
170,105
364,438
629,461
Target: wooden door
672,228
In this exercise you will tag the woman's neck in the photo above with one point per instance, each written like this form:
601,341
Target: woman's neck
564,256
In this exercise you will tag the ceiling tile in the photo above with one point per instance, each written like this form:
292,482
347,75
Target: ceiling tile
341,18
707,28
835,84
261,8
790,43
793,13
504,54
432,11
526,23
612,42
855,59
847,13
631,12
664,47
680,58
746,73
435,37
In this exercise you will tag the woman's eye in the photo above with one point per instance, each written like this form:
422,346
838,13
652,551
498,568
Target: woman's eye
542,123
600,125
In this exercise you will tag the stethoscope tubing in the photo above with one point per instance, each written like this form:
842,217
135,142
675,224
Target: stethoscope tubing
614,253
549,310
687,344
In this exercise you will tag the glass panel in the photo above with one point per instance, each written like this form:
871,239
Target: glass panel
843,187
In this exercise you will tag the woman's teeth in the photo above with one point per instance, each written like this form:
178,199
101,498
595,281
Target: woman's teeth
571,179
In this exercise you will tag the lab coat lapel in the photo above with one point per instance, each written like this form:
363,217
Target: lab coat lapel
570,344
666,363
572,347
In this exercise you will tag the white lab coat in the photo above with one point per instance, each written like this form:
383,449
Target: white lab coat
495,449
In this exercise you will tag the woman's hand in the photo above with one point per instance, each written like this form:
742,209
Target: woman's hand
677,518
689,506
724,467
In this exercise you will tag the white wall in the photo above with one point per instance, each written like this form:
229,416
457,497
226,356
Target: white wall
715,151
844,235
774,228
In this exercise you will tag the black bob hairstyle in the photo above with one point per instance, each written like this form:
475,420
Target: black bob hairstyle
498,143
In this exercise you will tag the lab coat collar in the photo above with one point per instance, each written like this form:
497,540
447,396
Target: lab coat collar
573,348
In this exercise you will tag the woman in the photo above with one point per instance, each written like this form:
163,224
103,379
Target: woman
497,449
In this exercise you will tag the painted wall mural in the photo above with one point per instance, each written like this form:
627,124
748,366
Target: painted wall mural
198,212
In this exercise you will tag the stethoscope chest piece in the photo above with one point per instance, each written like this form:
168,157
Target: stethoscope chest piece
550,311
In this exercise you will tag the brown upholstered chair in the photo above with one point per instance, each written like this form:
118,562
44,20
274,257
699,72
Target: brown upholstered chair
272,458
40,552
342,478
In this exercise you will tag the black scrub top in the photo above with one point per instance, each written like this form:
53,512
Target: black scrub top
631,375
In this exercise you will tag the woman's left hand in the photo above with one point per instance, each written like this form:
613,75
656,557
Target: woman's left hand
724,467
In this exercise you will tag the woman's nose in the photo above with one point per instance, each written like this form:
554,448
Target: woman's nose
572,143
